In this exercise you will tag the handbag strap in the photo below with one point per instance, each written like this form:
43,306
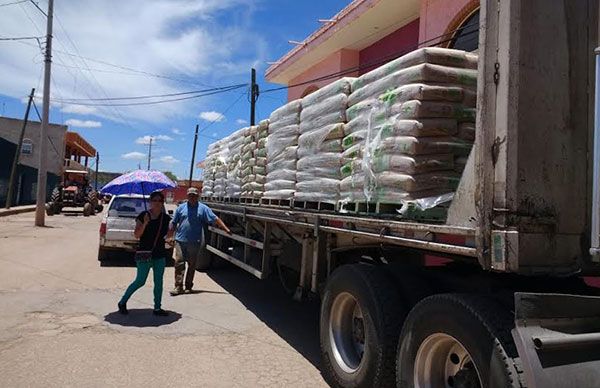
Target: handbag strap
158,230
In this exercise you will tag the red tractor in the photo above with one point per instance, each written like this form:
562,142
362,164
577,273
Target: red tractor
75,191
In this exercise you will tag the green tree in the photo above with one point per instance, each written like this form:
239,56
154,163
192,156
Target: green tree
170,175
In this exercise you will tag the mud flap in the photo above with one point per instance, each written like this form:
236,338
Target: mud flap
558,339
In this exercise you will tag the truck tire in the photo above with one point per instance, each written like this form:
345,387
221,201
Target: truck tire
87,209
361,319
457,340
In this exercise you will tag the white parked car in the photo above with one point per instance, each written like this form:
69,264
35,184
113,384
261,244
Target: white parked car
118,224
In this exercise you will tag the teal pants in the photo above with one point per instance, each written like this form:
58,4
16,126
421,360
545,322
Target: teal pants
143,268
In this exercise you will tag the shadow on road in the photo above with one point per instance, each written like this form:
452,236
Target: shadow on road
141,318
296,323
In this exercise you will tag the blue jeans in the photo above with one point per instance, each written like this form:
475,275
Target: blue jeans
143,268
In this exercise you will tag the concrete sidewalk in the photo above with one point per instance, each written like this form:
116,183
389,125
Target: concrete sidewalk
16,210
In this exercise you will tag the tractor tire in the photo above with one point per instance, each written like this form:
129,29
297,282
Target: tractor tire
57,208
92,199
99,208
87,209
361,319
50,209
458,340
56,195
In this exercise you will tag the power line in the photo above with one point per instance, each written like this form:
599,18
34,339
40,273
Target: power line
24,38
151,96
378,61
38,7
13,2
224,112
159,101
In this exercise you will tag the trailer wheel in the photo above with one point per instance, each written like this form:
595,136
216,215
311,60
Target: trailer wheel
361,318
87,209
454,340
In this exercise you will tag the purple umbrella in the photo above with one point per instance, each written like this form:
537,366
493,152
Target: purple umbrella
138,182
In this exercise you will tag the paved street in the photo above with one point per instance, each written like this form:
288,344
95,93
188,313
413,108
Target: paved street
58,327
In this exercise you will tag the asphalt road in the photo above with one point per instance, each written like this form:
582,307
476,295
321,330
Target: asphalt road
58,326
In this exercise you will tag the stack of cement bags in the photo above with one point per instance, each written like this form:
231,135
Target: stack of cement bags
210,169
282,147
234,164
410,127
254,160
220,166
320,143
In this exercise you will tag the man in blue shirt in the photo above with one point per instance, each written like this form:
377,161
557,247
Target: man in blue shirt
188,223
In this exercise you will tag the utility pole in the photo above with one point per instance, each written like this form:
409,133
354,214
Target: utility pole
149,152
254,92
193,156
40,210
96,179
13,170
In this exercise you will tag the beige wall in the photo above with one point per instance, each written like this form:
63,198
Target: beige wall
10,130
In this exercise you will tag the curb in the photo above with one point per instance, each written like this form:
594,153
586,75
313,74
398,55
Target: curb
16,210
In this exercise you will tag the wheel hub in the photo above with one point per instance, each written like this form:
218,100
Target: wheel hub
442,361
347,332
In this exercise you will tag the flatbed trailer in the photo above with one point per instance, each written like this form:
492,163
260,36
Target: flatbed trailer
494,296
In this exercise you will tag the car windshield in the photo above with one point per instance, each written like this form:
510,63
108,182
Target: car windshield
128,207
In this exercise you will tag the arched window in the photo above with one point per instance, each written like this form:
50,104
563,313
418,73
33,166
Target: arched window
467,34
309,90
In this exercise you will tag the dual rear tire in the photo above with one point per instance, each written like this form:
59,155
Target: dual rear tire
370,336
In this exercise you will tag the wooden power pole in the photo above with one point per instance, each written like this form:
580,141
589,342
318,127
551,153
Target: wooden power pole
13,169
193,157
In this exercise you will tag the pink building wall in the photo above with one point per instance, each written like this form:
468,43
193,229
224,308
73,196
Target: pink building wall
438,17
334,63
402,40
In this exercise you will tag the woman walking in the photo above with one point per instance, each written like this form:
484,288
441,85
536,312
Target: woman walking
151,226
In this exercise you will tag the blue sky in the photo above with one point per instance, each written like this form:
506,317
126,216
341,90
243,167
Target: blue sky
185,45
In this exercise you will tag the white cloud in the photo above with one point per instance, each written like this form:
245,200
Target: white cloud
83,123
183,39
177,131
134,155
145,140
241,121
169,159
78,109
212,116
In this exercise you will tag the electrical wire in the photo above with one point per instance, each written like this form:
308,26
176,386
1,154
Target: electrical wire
224,113
160,101
38,7
23,38
40,117
379,61
226,88
13,2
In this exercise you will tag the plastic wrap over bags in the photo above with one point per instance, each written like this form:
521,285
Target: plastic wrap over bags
334,104
315,138
322,121
341,86
322,160
292,108
430,55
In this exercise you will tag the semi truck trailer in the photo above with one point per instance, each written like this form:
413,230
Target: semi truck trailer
494,295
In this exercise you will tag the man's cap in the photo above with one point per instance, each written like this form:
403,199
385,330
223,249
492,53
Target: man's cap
193,191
